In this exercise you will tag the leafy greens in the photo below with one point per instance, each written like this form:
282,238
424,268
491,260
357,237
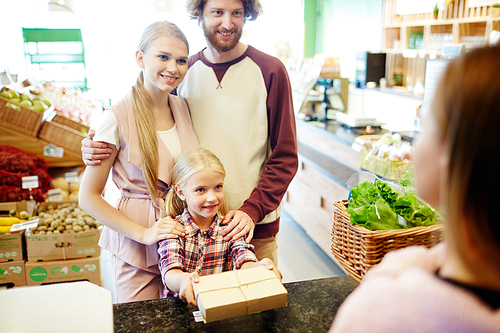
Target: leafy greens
380,206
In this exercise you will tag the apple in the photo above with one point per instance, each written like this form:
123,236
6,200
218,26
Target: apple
25,97
39,106
14,93
27,103
15,99
6,94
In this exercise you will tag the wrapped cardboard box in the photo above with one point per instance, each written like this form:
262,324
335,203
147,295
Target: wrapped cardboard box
46,272
13,272
239,292
12,246
63,246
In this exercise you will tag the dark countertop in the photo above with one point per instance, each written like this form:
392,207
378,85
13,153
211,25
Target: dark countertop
311,307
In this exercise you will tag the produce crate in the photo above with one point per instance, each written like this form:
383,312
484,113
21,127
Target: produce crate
22,119
383,167
61,135
47,272
13,273
358,249
63,120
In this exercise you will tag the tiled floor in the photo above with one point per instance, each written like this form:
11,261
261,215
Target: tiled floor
299,258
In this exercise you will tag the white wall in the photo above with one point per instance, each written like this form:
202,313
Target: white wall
111,31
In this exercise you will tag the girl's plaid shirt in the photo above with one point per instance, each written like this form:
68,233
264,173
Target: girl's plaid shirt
205,252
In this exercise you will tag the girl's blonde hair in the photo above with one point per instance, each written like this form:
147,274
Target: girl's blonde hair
467,110
143,111
190,162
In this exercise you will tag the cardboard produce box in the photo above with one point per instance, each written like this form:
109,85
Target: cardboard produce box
13,272
52,244
239,292
46,272
63,246
19,206
12,247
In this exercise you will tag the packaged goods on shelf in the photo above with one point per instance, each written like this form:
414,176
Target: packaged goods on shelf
238,292
13,272
46,272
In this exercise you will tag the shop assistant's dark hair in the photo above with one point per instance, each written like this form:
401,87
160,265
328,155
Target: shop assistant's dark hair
467,110
253,8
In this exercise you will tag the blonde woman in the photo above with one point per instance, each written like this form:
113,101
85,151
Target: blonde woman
146,131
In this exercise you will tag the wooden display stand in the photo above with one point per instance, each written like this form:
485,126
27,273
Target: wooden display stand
457,21
36,145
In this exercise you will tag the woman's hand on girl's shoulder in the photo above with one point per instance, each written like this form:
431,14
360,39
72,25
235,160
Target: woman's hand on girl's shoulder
162,229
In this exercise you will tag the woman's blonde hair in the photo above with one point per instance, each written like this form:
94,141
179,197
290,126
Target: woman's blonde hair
253,9
190,162
467,110
143,111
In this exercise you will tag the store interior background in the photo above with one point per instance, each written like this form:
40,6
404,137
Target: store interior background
111,30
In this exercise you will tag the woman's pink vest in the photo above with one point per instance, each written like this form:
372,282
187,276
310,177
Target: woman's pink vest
135,201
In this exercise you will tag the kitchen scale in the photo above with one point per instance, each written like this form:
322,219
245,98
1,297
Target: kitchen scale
357,121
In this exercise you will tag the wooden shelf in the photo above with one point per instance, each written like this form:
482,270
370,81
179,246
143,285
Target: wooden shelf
36,145
457,20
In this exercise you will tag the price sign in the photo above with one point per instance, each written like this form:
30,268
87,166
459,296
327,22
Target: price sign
53,151
71,177
54,195
25,225
30,182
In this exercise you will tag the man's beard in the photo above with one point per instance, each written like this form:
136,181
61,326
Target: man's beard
221,46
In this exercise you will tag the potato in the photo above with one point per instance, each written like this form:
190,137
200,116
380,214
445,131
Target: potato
74,187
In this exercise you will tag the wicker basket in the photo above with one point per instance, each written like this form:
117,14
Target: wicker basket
20,118
383,167
358,249
61,135
60,119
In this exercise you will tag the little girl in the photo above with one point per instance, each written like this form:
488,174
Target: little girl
454,286
196,200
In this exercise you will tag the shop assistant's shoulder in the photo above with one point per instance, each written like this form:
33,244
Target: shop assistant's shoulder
194,58
266,61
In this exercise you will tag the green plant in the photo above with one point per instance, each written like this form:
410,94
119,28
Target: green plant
497,5
436,9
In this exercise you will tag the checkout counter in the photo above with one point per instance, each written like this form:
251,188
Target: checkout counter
84,307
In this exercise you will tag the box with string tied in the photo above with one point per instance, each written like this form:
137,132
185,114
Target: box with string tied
235,293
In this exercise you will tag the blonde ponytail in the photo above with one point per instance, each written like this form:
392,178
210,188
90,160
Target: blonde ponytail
174,204
143,110
146,132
